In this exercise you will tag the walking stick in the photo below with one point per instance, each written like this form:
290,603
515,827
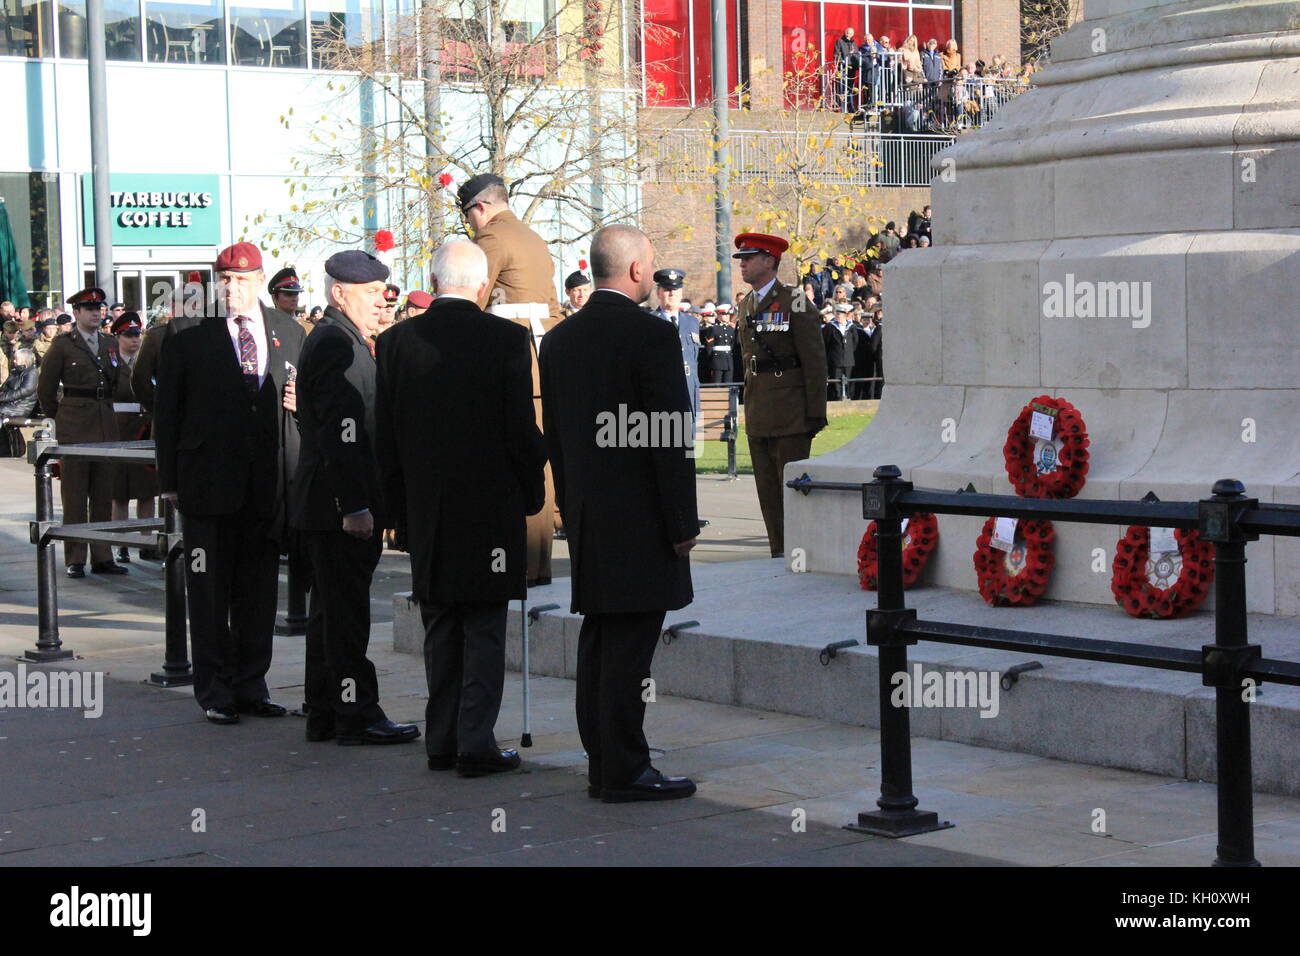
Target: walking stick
526,737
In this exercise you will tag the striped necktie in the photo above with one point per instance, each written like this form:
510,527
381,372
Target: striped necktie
247,354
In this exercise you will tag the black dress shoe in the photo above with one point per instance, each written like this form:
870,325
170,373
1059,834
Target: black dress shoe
383,732
123,555
442,761
320,731
108,567
219,715
263,708
152,554
76,570
651,785
482,764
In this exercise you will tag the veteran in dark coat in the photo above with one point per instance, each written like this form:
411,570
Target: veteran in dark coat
628,503
785,374
224,394
463,467
338,507
84,362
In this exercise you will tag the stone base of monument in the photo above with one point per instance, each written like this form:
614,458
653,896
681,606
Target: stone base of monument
762,630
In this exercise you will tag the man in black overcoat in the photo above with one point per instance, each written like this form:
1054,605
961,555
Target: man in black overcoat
626,490
221,410
338,507
463,466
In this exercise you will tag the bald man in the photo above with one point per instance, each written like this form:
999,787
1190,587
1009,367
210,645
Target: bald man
629,508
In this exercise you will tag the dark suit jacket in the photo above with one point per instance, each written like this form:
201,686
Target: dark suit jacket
215,442
839,348
624,507
459,451
337,471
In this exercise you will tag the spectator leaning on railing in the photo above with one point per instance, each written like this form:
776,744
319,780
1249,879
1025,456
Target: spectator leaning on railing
932,62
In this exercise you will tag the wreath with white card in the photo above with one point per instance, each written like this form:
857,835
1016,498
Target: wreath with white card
1046,451
1013,561
920,534
1160,572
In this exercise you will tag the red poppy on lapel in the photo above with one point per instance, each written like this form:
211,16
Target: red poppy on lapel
275,340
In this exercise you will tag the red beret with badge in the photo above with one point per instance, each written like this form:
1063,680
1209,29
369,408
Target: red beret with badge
241,257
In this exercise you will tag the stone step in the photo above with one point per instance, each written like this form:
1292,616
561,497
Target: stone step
762,629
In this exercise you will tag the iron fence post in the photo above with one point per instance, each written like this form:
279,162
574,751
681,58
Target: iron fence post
48,646
1223,660
176,670
898,815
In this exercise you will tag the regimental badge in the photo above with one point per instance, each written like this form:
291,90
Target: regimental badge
1046,458
1164,568
695,337
1015,559
687,366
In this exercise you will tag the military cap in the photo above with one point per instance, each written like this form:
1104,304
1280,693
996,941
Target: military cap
419,300
46,323
576,279
27,324
726,309
707,308
91,298
286,280
843,307
391,293
125,321
470,189
670,278
749,243
63,318
353,265
241,257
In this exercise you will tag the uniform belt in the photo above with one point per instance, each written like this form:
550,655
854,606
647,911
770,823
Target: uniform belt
99,393
773,365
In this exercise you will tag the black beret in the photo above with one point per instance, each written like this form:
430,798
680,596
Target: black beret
286,280
355,266
670,278
576,279
470,189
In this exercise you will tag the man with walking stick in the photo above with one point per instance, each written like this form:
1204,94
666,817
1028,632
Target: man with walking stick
462,462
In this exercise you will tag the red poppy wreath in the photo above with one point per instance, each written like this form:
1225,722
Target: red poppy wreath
1018,576
1043,467
919,539
1167,584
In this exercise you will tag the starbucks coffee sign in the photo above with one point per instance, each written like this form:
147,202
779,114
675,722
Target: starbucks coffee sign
157,210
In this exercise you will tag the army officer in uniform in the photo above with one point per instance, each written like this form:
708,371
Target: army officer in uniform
668,291
86,364
784,361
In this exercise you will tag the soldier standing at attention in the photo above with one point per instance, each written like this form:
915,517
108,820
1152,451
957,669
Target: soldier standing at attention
86,364
668,291
717,345
521,288
785,374
285,288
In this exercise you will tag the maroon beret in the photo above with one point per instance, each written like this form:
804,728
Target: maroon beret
419,300
241,257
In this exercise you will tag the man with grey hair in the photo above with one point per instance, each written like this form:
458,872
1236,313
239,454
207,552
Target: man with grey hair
628,506
454,387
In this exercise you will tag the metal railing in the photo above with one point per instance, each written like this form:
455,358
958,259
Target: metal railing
1228,519
783,157
162,534
952,106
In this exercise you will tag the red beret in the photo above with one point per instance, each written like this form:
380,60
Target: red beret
241,257
748,243
419,300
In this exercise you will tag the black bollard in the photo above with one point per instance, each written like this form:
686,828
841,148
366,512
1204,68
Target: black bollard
898,815
1222,664
48,646
176,670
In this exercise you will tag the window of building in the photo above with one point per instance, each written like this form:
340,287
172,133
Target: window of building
342,31
931,25
185,31
121,29
268,33
887,20
677,44
25,28
31,202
